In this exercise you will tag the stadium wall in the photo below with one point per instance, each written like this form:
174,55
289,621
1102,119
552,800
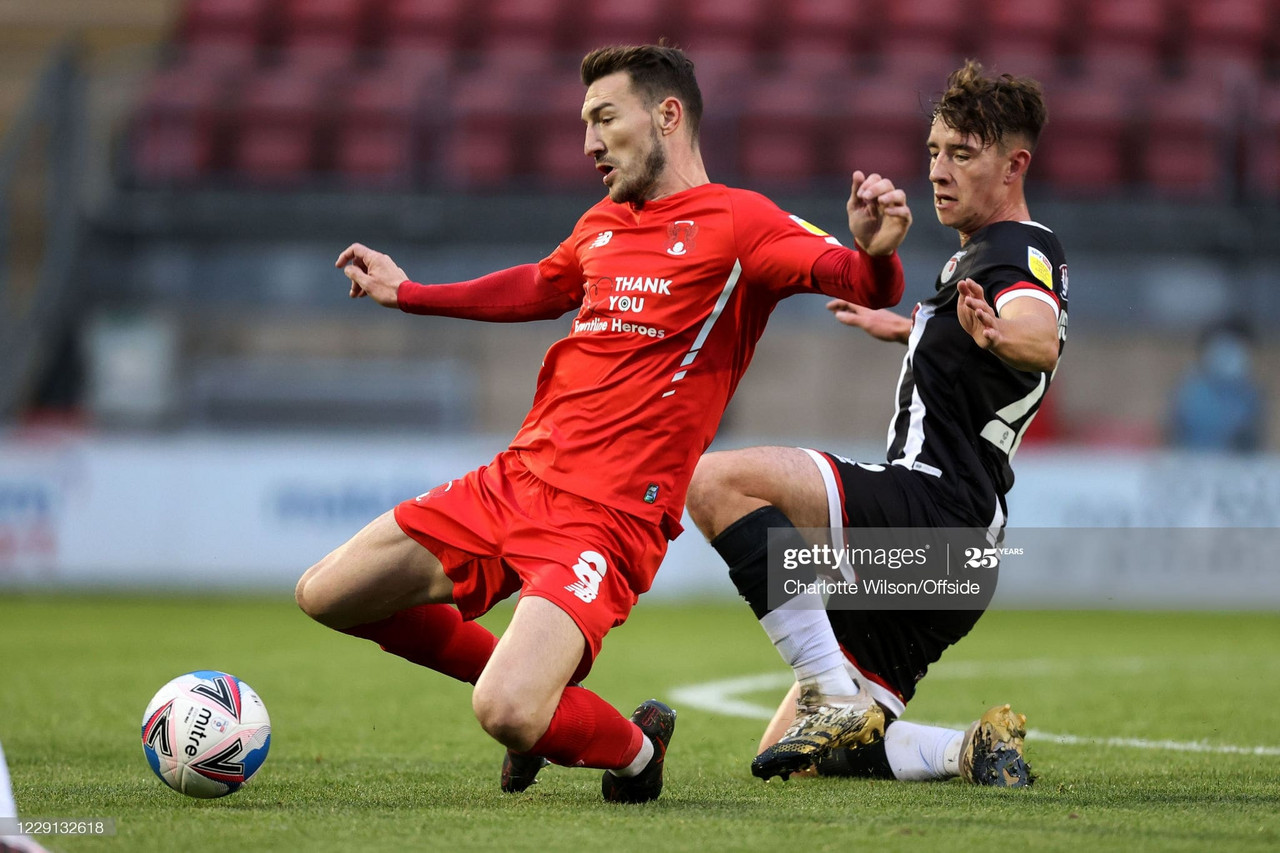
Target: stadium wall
249,511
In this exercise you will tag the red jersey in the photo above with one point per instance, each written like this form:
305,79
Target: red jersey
674,296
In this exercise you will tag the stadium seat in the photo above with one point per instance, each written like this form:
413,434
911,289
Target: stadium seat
1226,38
1124,41
604,22
485,143
922,39
556,156
1262,144
820,37
241,21
323,34
443,27
1187,139
781,129
379,124
523,21
175,137
216,56
275,123
882,125
728,24
1024,37
1086,149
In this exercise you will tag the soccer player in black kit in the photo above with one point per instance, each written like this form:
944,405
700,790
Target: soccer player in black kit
981,354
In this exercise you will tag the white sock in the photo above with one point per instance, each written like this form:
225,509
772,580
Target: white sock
804,638
917,753
640,762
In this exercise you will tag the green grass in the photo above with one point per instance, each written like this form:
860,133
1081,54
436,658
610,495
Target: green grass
371,753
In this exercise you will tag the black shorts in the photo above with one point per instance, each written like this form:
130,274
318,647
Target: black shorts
892,649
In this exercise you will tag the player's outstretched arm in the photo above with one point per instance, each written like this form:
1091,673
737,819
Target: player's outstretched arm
507,296
878,214
1024,335
881,324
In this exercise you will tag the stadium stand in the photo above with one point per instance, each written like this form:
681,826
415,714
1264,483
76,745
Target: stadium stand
1186,132
277,116
264,132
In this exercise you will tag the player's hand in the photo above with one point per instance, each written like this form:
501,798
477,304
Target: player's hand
878,214
882,324
976,315
371,274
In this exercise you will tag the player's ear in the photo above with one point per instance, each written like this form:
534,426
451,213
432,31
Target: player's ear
1019,159
670,115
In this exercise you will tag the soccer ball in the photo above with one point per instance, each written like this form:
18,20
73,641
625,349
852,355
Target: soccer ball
206,733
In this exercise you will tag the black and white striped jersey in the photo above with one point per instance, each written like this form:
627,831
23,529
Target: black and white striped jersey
961,410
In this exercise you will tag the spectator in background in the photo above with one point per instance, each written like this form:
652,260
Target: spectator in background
1218,405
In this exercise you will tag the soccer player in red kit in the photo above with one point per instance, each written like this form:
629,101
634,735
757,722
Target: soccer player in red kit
672,278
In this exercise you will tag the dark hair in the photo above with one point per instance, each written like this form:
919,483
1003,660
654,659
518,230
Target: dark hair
657,71
992,108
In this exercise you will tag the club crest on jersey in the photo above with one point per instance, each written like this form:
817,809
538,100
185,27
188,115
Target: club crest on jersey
590,570
950,268
1040,266
601,239
681,236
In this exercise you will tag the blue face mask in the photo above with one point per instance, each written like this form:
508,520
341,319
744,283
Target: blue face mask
1225,357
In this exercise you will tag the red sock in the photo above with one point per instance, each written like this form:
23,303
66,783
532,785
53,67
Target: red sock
434,636
587,731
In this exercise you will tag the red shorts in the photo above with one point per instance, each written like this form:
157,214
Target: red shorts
500,529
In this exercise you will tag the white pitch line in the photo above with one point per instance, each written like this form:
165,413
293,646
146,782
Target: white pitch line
722,697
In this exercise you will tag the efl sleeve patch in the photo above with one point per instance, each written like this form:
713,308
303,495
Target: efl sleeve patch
1040,266
816,231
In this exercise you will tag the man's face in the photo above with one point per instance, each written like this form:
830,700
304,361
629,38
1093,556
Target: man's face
969,187
622,137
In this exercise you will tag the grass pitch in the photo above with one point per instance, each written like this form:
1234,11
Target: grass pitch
370,753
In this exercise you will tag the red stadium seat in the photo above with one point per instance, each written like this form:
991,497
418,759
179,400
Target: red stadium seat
604,22
214,56
1262,144
1226,38
1024,37
241,21
1125,41
175,132
275,125
821,37
1086,149
921,38
443,27
728,24
485,143
324,35
781,129
524,21
1186,140
556,155
883,126
379,124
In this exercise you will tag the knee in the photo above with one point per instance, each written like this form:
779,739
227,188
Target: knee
513,721
313,598
712,480
713,489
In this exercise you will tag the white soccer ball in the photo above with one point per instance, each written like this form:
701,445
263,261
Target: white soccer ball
206,733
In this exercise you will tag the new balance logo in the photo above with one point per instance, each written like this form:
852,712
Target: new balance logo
589,570
601,239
